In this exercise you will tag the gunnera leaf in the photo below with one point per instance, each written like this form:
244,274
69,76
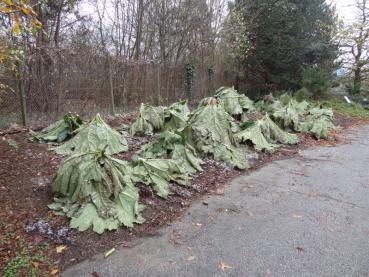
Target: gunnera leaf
94,136
149,119
274,133
212,129
176,146
233,102
96,190
158,173
264,135
60,130
176,116
318,122
254,134
289,116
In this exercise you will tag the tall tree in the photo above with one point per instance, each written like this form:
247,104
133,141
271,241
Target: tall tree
355,44
274,39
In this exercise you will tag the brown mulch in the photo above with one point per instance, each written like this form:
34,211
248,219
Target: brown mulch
26,173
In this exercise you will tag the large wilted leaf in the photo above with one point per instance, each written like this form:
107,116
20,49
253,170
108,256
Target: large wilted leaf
158,173
212,130
176,116
318,122
264,134
96,191
290,115
233,102
94,136
174,145
149,119
255,135
60,130
275,134
268,107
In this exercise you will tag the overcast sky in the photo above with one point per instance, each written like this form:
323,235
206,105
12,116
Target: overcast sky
346,9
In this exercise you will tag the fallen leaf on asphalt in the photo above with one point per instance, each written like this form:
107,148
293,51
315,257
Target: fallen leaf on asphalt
61,249
191,258
251,214
172,262
54,271
296,216
108,253
94,274
298,173
223,266
219,191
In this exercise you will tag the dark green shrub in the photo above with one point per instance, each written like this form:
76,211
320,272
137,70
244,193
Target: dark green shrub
353,89
303,94
316,81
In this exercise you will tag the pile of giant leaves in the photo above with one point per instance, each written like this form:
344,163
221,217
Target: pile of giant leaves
264,134
149,119
213,133
233,102
94,136
99,191
156,119
60,130
304,117
96,190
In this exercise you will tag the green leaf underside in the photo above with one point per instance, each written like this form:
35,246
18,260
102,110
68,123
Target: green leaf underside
97,191
176,146
265,135
233,102
94,136
297,116
149,119
159,173
318,122
212,133
176,116
60,130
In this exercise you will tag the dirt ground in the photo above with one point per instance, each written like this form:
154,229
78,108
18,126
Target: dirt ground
28,228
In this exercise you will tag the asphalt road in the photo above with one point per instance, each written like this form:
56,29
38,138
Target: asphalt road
304,216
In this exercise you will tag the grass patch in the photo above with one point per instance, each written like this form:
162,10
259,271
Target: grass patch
352,109
28,262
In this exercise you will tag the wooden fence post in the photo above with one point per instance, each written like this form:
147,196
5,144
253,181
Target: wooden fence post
111,88
22,96
158,76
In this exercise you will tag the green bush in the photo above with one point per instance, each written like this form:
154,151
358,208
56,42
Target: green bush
285,98
353,89
303,94
316,82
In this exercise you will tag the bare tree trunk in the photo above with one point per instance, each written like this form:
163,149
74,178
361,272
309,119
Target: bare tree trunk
111,88
140,14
